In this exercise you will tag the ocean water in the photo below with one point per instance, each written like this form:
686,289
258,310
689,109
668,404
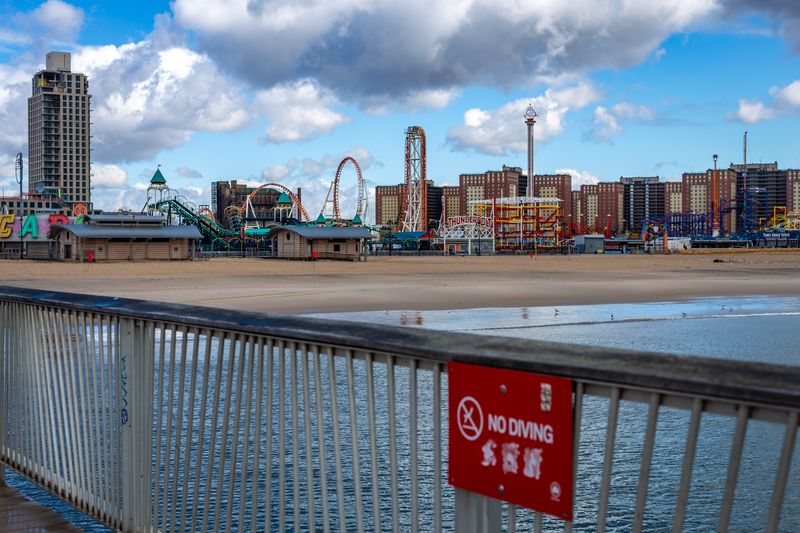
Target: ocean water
759,329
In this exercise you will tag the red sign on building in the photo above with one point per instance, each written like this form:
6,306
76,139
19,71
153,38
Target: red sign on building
511,436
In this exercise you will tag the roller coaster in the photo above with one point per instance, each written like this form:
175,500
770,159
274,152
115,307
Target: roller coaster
243,226
214,233
332,199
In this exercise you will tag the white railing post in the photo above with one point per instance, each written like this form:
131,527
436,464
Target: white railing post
476,513
135,421
5,330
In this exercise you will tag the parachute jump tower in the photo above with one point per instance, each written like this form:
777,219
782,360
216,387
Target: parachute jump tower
414,217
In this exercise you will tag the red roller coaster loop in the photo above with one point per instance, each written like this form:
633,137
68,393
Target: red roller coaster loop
279,187
362,189
206,212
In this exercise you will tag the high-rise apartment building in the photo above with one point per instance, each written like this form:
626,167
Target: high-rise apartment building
766,190
697,193
793,190
673,197
602,207
610,207
644,200
576,216
490,184
589,214
389,202
451,201
434,204
59,132
555,186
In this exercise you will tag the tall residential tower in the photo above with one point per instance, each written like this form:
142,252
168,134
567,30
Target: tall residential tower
59,138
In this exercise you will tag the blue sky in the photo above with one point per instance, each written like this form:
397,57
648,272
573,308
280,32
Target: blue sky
281,90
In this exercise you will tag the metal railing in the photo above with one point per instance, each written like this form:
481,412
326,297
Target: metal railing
162,417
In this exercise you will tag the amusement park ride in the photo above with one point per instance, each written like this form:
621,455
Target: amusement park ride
512,224
243,226
509,224
415,210
332,199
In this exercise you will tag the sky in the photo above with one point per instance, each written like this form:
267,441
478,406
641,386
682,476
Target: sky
282,90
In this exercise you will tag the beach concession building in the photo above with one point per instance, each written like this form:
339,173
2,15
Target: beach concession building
124,237
326,242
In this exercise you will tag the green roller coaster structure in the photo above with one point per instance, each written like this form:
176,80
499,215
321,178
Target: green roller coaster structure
215,234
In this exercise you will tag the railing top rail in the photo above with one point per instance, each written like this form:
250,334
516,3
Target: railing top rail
740,381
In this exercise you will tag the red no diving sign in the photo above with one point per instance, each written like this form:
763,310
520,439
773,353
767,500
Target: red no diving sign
511,436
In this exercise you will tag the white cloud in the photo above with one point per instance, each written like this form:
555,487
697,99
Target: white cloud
579,177
364,49
109,177
501,131
413,101
298,111
133,197
187,172
788,96
153,95
15,85
608,121
785,101
751,112
59,20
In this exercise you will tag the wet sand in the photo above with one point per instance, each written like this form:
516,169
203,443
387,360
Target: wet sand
421,283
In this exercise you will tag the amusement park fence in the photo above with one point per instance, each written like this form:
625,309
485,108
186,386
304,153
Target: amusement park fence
202,254
162,417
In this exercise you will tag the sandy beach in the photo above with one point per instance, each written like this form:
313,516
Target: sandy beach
421,283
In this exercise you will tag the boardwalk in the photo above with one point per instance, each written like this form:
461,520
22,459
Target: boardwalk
18,513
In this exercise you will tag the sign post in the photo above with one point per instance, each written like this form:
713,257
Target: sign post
510,437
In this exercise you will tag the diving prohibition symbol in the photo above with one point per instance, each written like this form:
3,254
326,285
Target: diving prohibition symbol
468,410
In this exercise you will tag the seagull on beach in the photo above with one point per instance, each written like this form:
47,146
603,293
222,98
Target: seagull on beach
556,312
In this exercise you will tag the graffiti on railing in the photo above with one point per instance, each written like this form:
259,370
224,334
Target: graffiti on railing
124,386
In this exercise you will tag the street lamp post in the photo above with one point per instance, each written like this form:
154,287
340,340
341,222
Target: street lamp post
18,174
715,201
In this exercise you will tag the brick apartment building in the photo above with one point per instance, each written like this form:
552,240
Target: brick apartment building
575,215
589,208
793,190
490,184
697,193
611,206
644,200
389,202
673,197
555,186
619,206
766,189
